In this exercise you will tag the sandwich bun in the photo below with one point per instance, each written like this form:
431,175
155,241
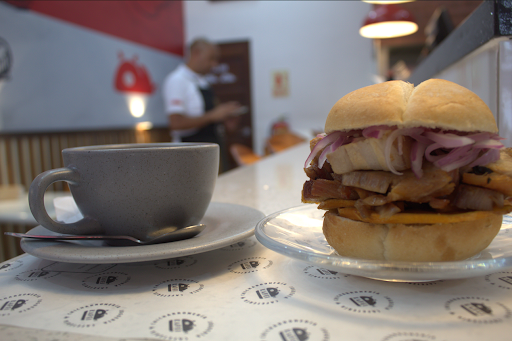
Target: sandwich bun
435,103
411,242
429,236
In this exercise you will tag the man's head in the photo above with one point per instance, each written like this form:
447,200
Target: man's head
203,56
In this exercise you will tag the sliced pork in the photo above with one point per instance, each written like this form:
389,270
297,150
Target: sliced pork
375,181
476,198
368,154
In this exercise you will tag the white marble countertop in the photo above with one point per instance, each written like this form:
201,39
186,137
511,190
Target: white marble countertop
244,291
17,211
273,184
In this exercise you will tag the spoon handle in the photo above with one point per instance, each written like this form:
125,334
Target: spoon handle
70,237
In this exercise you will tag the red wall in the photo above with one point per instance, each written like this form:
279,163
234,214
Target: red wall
157,24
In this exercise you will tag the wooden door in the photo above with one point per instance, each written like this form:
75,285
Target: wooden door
231,81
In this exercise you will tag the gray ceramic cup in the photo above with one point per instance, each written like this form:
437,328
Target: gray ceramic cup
132,189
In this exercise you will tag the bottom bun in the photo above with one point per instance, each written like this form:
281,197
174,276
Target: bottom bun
413,243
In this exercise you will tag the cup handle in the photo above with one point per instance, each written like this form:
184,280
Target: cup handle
37,189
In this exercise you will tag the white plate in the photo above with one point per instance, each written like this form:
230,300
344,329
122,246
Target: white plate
297,232
225,223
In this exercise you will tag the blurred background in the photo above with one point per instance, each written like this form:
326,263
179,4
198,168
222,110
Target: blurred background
78,73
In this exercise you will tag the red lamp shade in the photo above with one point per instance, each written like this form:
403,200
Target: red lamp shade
388,21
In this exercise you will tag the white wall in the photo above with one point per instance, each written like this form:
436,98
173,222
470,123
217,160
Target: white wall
318,42
487,71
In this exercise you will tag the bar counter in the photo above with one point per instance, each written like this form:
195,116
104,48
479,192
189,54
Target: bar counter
244,291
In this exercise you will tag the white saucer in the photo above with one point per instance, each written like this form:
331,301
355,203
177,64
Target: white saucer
225,223
297,232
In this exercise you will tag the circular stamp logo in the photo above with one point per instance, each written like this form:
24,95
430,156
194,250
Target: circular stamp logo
19,303
181,326
249,265
367,302
177,287
93,314
34,275
424,284
242,245
409,336
477,310
107,280
267,293
322,273
504,231
8,266
295,330
176,263
501,280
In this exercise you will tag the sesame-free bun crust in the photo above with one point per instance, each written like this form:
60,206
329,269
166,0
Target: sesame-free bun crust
435,103
413,243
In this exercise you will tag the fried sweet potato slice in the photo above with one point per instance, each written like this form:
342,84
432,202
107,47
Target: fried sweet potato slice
498,182
420,218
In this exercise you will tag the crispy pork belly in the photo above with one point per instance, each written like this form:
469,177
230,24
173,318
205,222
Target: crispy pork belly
315,191
476,198
368,154
434,183
313,172
375,181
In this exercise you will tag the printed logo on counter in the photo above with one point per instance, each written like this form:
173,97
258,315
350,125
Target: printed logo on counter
92,315
176,263
17,304
181,326
243,245
316,272
267,293
249,265
106,280
8,266
295,330
34,275
477,310
364,302
423,284
506,230
409,336
177,287
501,280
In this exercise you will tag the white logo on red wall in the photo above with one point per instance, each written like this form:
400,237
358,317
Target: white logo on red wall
132,76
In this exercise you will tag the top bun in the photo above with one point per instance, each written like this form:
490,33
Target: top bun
435,103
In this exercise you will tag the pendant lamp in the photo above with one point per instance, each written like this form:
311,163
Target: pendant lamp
388,21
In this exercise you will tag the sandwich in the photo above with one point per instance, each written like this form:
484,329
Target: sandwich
410,173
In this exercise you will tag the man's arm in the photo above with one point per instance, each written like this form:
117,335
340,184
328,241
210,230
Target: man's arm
181,121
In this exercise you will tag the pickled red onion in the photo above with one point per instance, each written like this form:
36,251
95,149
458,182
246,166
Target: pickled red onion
417,152
324,142
375,132
489,156
329,149
454,151
448,140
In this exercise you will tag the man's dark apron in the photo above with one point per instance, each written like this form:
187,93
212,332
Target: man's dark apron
207,133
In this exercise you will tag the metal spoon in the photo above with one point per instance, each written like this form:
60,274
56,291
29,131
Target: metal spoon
170,234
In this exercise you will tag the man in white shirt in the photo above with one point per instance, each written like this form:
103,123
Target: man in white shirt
189,100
